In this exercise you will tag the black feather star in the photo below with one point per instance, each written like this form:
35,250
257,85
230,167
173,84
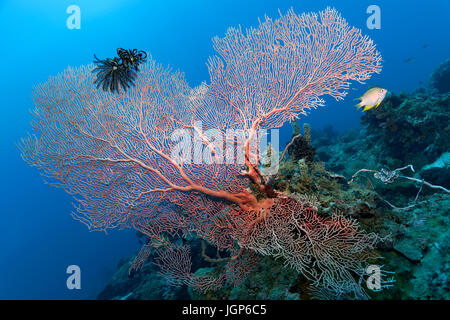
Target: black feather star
131,59
118,72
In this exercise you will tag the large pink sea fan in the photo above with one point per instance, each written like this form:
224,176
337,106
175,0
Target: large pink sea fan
114,152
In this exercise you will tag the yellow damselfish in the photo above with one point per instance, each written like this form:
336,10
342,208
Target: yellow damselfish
372,98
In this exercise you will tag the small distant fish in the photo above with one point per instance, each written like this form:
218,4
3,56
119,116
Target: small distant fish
372,98
410,59
425,46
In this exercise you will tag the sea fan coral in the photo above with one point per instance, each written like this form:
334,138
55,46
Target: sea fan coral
121,158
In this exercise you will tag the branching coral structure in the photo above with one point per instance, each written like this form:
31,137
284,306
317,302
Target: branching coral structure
119,155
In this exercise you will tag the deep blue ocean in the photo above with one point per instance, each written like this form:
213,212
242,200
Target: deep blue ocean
38,237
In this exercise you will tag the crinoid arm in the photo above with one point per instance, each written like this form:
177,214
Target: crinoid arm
132,58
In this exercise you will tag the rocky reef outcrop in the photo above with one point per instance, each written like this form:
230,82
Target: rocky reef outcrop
407,129
440,78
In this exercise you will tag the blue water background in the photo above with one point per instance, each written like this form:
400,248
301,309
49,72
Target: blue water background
38,238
